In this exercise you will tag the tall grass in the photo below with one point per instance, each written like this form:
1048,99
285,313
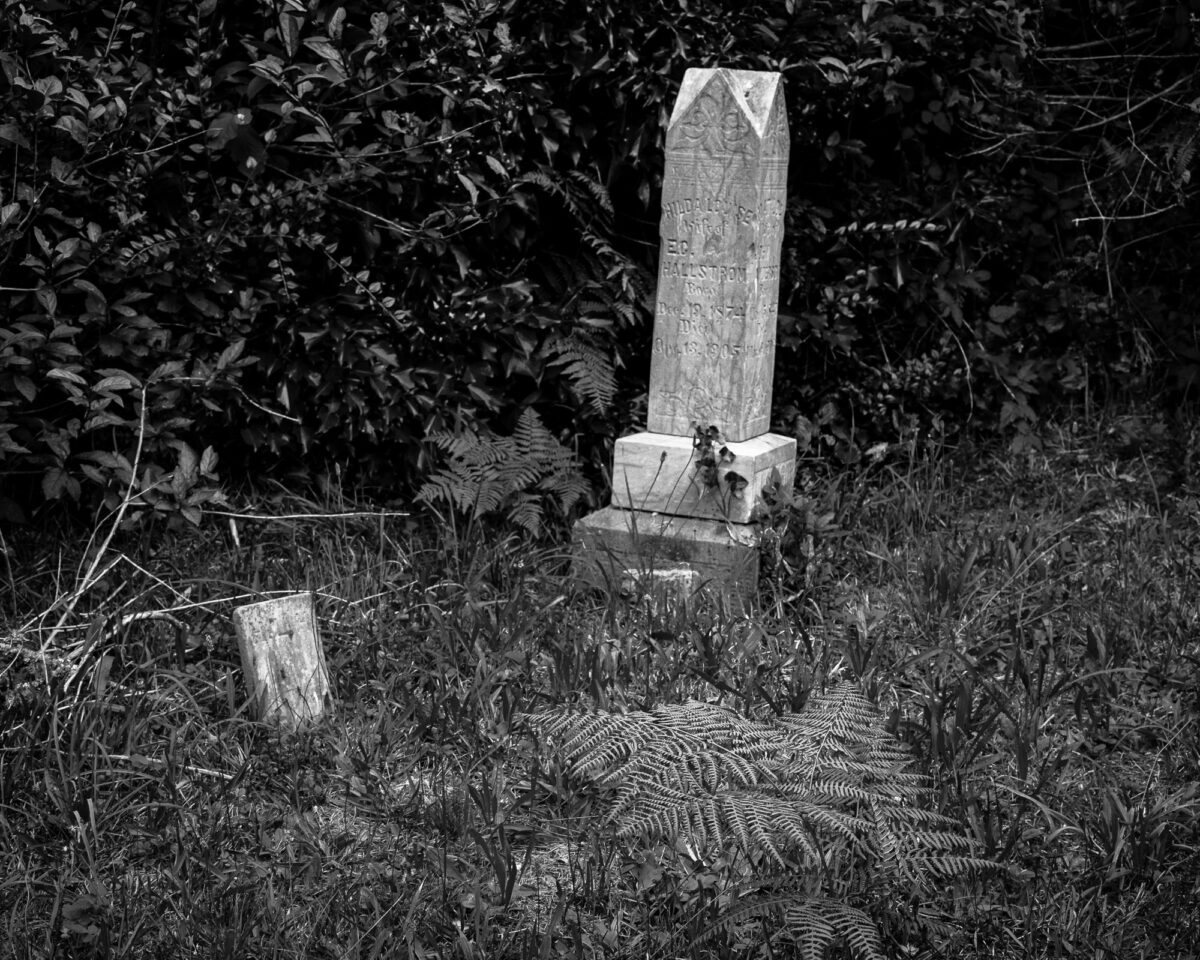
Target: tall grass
1030,628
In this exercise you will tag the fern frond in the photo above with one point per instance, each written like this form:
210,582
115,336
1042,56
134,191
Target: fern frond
1181,151
595,188
567,277
568,192
803,776
855,927
949,868
555,275
937,840
515,474
812,923
540,179
568,486
1118,157
587,366
467,446
526,512
809,928
905,815
825,795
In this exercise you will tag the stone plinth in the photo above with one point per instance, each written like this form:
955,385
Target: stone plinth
723,202
659,473
615,545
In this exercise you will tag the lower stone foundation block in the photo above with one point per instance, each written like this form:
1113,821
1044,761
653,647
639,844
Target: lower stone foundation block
611,543
660,473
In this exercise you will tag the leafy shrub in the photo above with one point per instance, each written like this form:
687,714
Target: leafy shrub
423,218
341,194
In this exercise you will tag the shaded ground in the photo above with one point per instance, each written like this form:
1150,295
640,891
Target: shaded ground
1029,627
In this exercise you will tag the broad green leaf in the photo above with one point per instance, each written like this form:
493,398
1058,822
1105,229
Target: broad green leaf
269,67
48,299
336,22
75,128
65,249
60,170
61,373
470,185
290,22
90,288
118,382
56,482
11,133
105,418
324,49
230,354
203,304
24,386
48,87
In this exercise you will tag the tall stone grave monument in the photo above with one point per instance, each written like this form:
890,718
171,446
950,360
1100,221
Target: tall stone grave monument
684,490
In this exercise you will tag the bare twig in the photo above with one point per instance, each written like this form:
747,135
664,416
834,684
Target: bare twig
1136,106
1092,44
350,514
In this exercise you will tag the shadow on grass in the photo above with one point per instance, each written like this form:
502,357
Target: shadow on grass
1028,628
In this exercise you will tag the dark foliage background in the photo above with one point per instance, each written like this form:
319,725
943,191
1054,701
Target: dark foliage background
304,239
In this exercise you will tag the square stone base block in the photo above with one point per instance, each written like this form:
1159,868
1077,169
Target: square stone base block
612,545
660,473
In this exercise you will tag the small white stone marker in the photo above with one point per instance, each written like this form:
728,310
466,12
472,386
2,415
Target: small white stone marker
282,659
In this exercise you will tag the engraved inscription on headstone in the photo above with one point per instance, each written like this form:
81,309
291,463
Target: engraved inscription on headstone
712,354
718,283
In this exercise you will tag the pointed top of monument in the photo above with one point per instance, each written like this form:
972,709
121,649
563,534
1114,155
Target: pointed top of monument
753,91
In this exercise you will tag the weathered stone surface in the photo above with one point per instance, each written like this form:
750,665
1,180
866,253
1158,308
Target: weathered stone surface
713,350
667,592
677,583
612,544
718,282
282,659
658,472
